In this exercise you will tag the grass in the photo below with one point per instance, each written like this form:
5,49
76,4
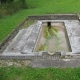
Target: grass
37,7
27,73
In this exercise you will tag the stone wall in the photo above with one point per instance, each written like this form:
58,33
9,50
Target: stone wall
55,17
31,56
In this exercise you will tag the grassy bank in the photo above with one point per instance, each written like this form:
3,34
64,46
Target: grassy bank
27,73
37,7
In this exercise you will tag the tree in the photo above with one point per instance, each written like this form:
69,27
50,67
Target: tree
23,3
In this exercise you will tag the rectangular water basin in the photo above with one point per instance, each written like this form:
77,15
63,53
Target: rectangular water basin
52,38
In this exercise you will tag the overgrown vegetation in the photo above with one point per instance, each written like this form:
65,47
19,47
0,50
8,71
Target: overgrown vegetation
27,73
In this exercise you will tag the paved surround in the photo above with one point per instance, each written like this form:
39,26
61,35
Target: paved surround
22,46
26,39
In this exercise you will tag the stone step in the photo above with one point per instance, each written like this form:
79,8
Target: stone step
62,63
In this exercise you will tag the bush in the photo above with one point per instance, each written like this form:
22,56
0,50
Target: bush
3,11
14,7
11,7
23,3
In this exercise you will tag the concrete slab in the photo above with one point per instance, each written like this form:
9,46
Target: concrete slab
62,63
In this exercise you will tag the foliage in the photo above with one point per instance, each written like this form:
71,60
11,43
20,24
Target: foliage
11,7
23,4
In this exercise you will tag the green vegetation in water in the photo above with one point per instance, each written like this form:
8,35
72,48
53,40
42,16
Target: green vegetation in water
43,47
57,37
49,32
47,36
55,32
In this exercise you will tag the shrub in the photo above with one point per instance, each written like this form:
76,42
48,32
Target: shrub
12,7
3,10
23,3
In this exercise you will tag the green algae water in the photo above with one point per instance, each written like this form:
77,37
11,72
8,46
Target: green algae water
52,39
